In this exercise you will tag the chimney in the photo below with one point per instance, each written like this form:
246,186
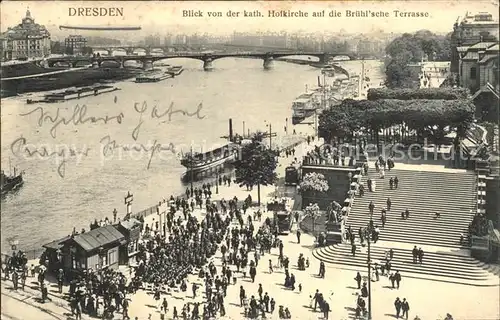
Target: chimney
230,129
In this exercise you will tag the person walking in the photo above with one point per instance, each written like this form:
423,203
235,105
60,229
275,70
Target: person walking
358,280
405,307
326,310
415,254
420,254
298,236
397,305
389,203
397,278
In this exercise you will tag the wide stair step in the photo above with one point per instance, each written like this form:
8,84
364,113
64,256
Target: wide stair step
423,193
442,267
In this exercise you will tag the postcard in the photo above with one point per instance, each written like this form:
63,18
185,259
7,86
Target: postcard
250,160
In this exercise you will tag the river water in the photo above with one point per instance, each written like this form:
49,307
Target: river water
57,197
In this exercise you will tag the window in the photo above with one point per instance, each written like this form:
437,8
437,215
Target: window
104,260
473,73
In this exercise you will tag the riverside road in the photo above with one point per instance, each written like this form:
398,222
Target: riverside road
94,185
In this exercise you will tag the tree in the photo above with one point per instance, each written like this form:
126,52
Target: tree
418,114
87,51
312,210
69,50
424,93
410,49
256,165
315,182
56,48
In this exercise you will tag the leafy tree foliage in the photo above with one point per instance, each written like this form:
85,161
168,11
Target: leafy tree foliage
256,165
424,93
354,115
411,48
314,181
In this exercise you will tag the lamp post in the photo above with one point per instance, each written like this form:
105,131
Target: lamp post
13,244
270,134
191,169
217,181
128,201
367,232
161,210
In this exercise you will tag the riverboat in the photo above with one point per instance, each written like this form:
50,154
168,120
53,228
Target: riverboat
201,161
10,183
175,70
73,94
305,106
153,77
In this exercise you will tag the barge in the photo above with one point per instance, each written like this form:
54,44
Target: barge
175,70
10,182
153,77
195,162
74,94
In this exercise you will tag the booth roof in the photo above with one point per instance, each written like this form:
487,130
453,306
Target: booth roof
98,237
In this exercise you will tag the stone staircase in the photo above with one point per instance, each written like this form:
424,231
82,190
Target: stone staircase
452,194
423,193
444,267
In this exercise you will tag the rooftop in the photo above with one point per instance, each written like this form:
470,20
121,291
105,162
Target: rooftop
130,223
56,244
98,237
483,45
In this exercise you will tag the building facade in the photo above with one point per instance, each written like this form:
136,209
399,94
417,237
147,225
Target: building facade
479,72
77,43
481,27
26,40
96,249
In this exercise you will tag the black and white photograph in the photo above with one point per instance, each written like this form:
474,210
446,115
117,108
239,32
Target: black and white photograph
205,160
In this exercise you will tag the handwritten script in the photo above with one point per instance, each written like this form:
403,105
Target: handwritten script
78,117
156,113
61,153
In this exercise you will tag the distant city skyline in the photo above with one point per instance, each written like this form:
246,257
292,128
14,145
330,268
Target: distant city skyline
166,17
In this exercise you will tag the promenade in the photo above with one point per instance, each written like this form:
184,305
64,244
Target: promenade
338,286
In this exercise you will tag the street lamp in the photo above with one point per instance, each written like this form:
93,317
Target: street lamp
191,162
268,125
128,201
367,231
13,244
161,210
217,181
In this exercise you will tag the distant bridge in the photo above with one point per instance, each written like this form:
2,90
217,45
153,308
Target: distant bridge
207,58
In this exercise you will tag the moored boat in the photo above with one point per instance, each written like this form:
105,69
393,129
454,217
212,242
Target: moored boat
175,70
153,77
304,106
215,157
10,183
72,94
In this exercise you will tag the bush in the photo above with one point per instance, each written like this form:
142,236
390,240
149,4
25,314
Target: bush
425,93
353,115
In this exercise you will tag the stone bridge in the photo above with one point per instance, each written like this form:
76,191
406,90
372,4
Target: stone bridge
207,58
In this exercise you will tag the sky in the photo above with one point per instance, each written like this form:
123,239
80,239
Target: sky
167,17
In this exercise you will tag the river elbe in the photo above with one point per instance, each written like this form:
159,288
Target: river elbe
87,179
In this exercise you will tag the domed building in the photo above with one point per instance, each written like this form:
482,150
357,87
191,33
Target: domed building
26,40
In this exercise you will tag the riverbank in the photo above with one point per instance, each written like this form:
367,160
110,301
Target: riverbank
92,188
